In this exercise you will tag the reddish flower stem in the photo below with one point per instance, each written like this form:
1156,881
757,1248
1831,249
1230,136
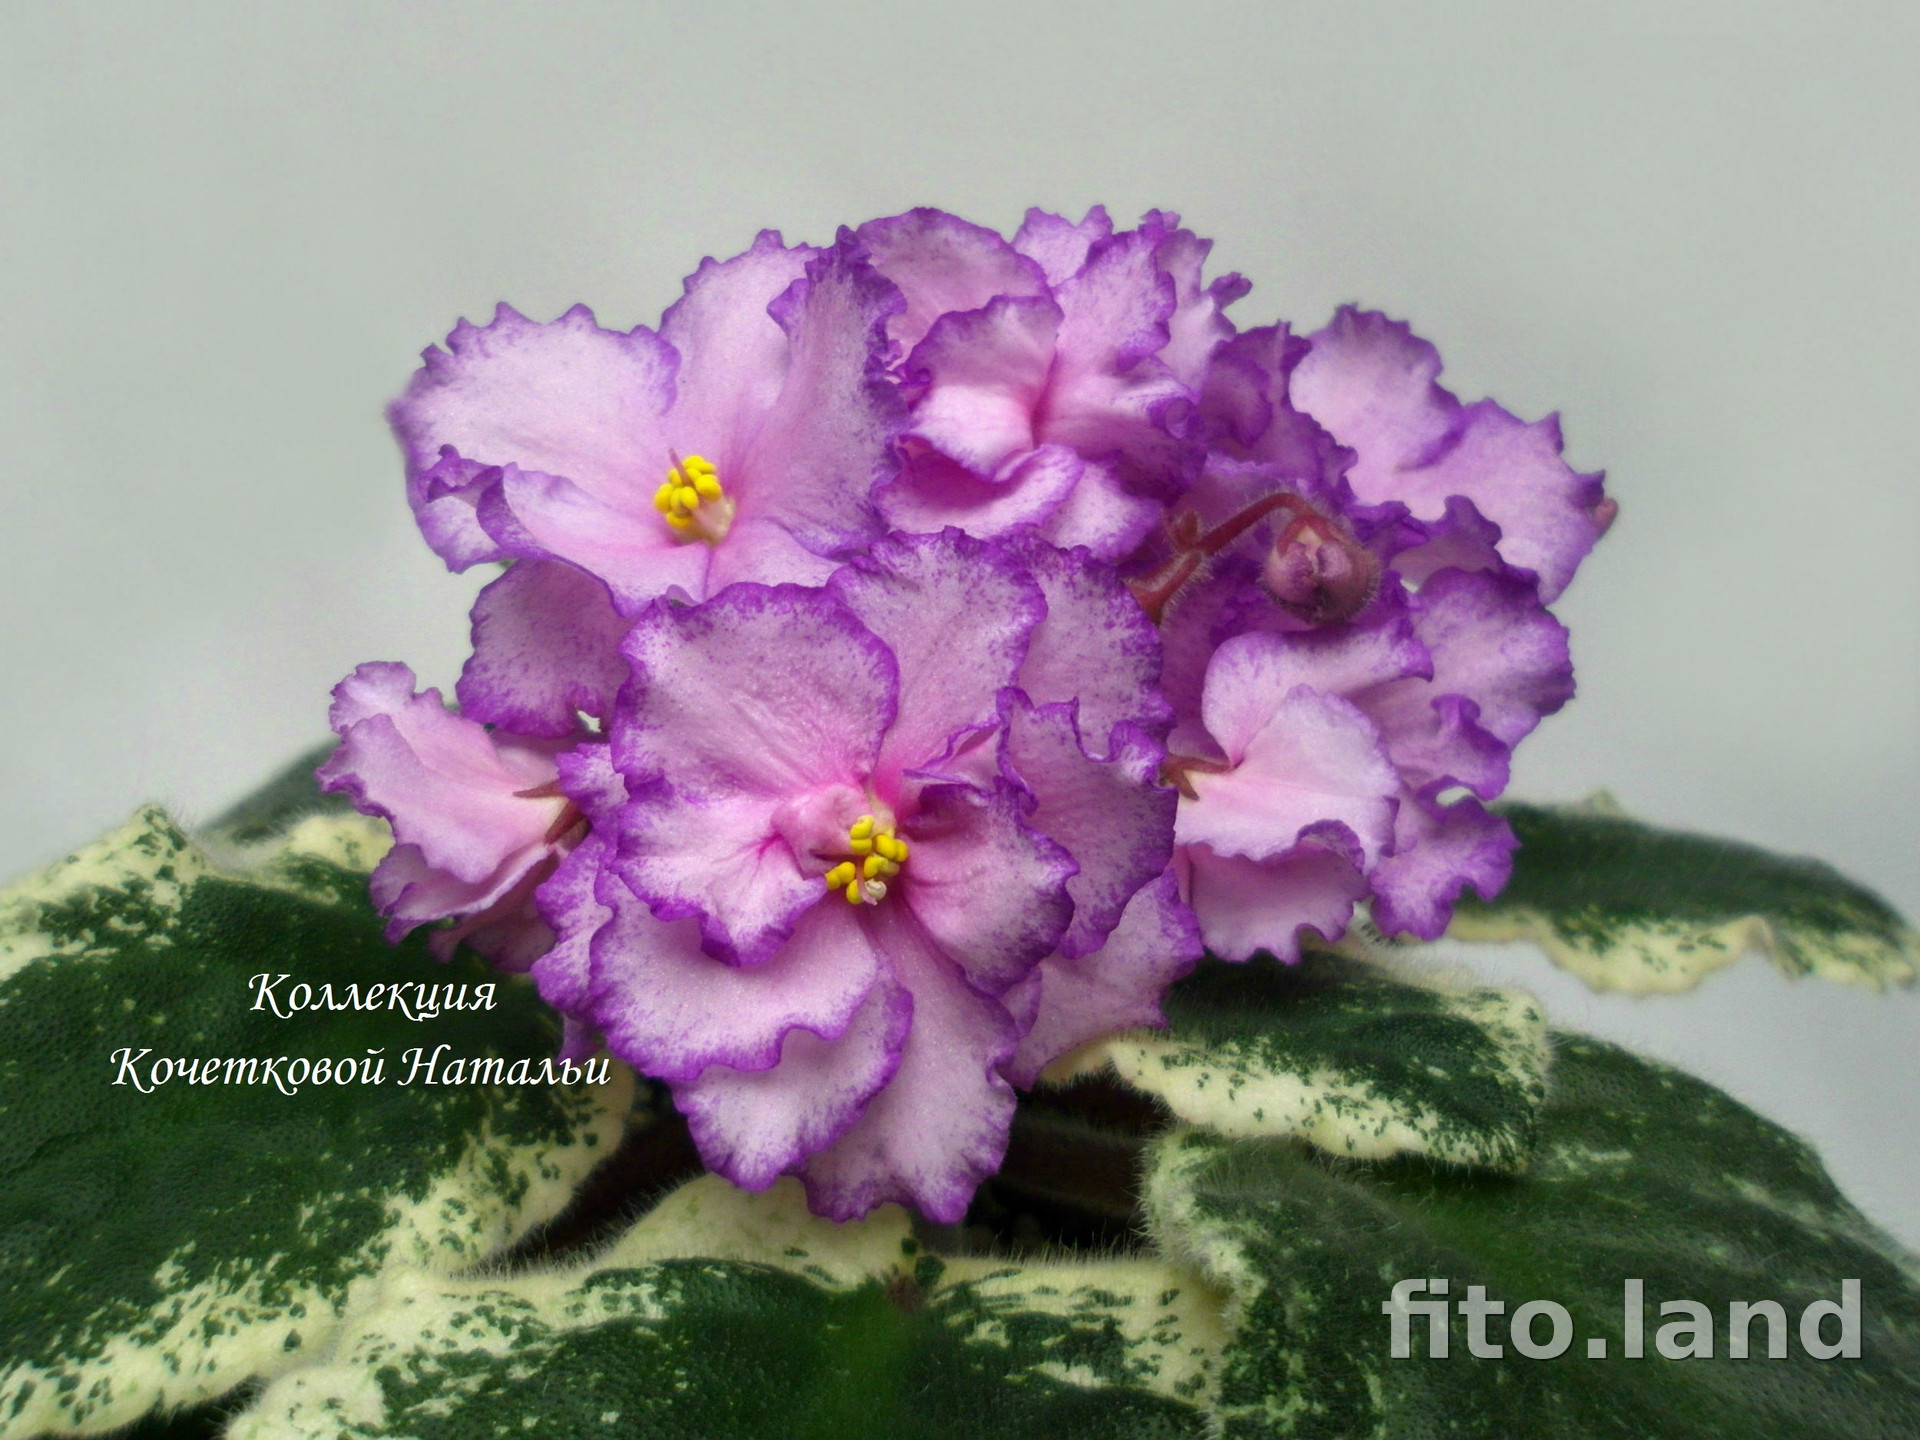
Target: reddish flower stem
1194,547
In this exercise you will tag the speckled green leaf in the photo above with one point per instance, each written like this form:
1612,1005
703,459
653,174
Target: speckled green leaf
1629,907
159,1248
277,806
1343,1054
1642,1173
724,1314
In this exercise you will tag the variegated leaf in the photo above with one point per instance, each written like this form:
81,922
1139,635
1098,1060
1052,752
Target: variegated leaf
728,1314
163,1240
266,815
1642,1173
1626,906
1345,1055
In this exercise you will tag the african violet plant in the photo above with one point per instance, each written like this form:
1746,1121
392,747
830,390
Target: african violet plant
957,747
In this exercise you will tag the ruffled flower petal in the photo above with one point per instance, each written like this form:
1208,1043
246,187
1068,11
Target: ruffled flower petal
1354,662
1494,642
985,373
1444,744
563,398
1108,394
1057,244
761,549
1372,382
1296,752
933,492
990,891
410,892
735,708
940,1126
1316,759
446,786
672,1010
1499,662
630,550
1246,906
828,440
762,689
1207,612
1438,851
1095,645
733,354
754,1126
446,500
706,849
1247,411
956,614
475,819
1113,988
546,647
1112,816
944,264
1198,325
569,899
569,903
1099,514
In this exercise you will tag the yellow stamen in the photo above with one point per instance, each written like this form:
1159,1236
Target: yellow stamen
694,502
879,855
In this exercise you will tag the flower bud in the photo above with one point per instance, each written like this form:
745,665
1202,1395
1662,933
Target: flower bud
1319,573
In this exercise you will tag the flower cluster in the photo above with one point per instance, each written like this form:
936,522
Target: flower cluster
910,655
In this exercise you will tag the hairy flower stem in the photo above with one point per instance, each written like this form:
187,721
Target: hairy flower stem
1194,547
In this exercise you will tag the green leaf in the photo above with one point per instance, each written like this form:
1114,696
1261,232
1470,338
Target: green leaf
729,1314
274,809
1629,907
1642,1173
1344,1055
159,1248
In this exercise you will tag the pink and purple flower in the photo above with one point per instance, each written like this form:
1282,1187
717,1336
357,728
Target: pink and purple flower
916,651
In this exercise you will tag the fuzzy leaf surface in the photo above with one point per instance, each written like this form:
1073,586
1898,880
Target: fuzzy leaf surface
158,1249
1345,1055
1627,906
1642,1172
724,1313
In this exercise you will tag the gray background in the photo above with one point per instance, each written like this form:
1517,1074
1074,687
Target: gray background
225,232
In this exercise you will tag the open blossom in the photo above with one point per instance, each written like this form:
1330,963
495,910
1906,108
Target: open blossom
1337,746
478,819
1050,376
740,441
1351,671
836,850
1372,383
914,653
